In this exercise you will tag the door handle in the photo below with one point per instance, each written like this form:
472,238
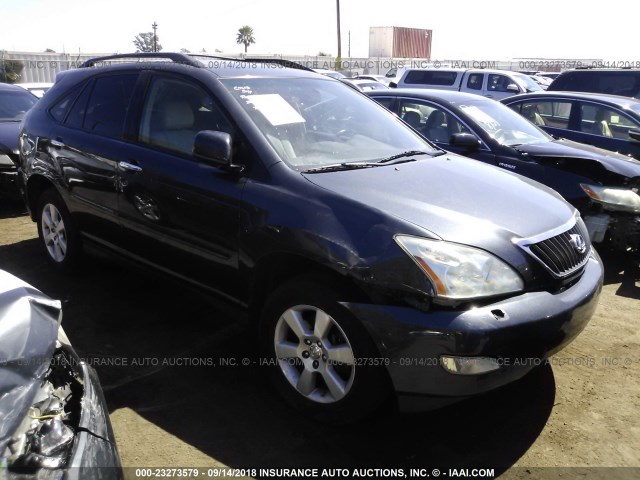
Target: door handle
57,143
129,167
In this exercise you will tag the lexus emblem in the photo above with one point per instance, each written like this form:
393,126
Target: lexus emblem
577,242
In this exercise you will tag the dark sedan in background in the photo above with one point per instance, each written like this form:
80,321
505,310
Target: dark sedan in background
14,103
606,121
603,185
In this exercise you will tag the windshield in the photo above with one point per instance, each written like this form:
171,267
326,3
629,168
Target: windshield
503,124
14,104
526,82
314,122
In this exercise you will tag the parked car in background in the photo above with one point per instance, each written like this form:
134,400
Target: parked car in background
606,121
363,253
14,103
363,85
544,82
489,83
329,73
625,83
551,75
38,89
375,78
603,185
55,421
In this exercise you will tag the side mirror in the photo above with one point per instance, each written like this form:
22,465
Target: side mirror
393,85
465,140
215,148
634,135
513,88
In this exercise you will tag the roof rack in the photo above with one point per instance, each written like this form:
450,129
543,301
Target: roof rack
175,57
280,61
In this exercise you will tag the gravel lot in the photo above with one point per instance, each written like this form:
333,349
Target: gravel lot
154,343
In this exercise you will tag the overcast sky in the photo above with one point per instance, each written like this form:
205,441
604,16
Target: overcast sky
462,29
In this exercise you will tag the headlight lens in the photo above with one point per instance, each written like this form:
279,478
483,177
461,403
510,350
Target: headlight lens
460,272
6,160
615,198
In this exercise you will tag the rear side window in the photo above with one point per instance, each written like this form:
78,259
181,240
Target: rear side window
626,84
107,105
605,122
61,107
430,77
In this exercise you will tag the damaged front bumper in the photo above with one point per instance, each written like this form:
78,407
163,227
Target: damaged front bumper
512,336
54,417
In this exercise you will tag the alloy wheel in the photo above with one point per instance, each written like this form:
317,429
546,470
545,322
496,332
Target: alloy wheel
314,354
54,232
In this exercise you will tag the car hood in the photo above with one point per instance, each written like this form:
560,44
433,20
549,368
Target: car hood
611,161
454,198
29,324
9,132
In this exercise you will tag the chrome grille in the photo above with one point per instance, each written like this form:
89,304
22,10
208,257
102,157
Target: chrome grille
559,254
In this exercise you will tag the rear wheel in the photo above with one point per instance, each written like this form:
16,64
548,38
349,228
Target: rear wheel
321,359
57,232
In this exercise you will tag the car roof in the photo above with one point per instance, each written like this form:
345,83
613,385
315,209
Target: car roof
221,67
7,87
615,100
447,96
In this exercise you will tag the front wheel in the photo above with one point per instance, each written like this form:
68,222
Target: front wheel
57,232
321,359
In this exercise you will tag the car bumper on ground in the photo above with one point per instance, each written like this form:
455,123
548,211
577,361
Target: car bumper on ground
516,334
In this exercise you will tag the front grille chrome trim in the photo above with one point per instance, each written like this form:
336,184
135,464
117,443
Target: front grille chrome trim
552,250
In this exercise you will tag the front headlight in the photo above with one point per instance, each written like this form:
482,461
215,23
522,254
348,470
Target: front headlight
459,272
614,198
6,160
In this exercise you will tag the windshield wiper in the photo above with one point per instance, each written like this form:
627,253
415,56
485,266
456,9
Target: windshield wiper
409,153
335,167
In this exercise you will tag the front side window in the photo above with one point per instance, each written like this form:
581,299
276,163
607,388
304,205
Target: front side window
502,123
545,112
431,121
313,122
475,81
175,110
498,83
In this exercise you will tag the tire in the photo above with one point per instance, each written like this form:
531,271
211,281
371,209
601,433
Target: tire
57,232
314,350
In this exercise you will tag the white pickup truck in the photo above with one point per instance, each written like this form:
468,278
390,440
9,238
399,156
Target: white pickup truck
496,84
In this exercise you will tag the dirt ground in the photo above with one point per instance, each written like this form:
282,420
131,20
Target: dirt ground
157,347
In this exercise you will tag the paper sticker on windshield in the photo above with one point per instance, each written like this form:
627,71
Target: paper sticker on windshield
275,109
481,117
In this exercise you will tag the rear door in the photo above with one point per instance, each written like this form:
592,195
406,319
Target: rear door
87,143
606,127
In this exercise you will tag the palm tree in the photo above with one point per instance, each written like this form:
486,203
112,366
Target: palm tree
245,37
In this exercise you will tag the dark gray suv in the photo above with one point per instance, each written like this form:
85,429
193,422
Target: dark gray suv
371,261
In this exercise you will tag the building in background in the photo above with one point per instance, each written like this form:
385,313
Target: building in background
400,42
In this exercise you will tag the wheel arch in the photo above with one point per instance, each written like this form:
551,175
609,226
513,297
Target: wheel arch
35,186
279,268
